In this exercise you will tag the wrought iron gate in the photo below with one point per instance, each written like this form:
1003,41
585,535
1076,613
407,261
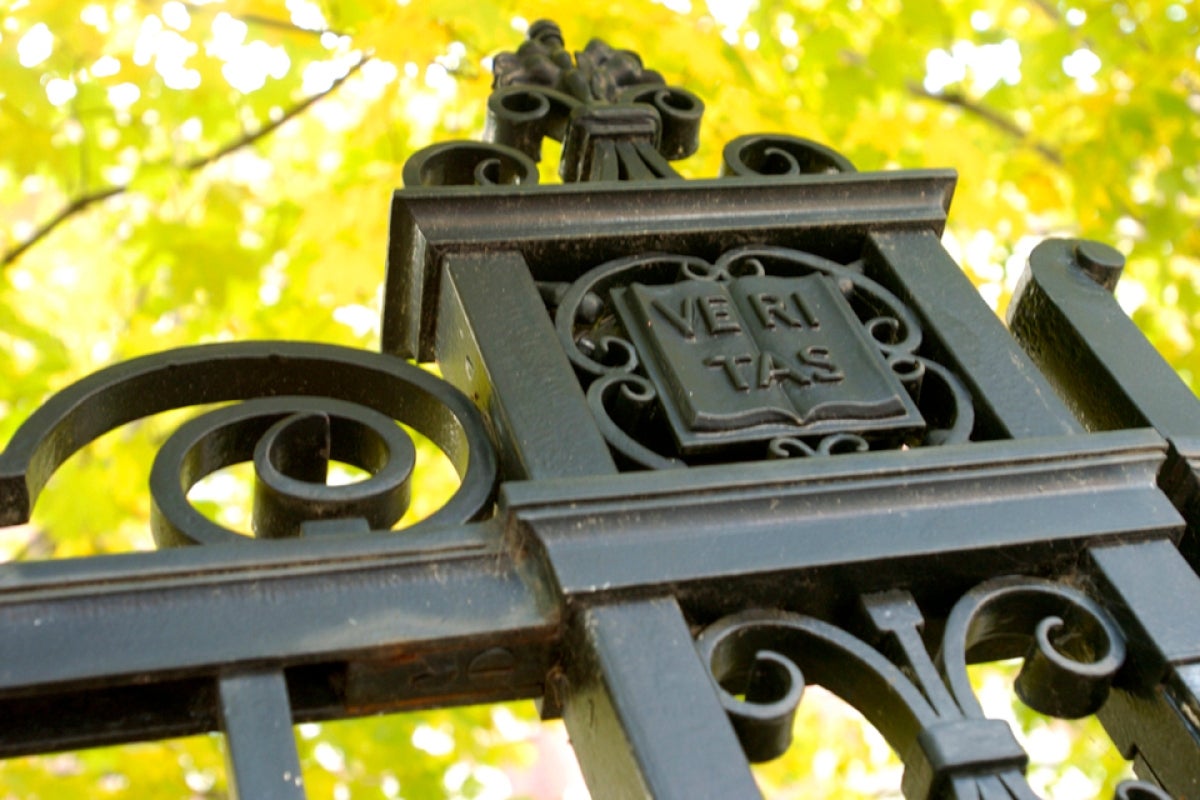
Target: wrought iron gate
717,439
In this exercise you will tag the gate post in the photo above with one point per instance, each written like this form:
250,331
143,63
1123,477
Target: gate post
640,709
705,338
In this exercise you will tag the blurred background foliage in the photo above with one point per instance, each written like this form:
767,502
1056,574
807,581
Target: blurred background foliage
184,172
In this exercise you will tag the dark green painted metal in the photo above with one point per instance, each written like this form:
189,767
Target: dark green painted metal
717,439
260,746
496,344
1155,712
1015,399
640,707
563,230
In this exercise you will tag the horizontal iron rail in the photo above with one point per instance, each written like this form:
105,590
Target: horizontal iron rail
555,227
940,518
130,646
134,646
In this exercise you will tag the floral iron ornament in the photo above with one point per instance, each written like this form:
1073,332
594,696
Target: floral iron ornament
617,121
925,707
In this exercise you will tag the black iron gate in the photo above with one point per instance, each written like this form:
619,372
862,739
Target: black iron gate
717,439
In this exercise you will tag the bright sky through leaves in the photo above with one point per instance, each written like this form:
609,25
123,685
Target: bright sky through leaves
184,172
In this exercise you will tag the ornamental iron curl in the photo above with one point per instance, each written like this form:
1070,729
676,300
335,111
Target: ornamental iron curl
760,662
305,403
616,120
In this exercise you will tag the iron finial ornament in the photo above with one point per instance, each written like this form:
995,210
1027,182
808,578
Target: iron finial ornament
616,120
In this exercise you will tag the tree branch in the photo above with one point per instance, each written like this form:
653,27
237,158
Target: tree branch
253,136
1048,9
84,201
990,116
262,21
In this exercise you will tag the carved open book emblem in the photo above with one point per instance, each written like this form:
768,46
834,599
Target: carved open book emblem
762,356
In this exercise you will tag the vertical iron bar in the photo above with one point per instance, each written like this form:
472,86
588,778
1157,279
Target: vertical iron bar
1153,714
641,709
1006,386
495,341
260,747
1064,313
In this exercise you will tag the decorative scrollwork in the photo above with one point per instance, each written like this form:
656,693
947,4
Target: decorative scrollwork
1139,790
469,164
585,316
680,112
762,660
791,447
290,441
305,403
774,154
764,352
946,406
520,117
599,72
926,710
1072,648
616,119
621,402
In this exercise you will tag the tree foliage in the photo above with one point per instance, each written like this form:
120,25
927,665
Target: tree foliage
175,173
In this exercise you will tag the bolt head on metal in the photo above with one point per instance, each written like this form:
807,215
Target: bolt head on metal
1101,262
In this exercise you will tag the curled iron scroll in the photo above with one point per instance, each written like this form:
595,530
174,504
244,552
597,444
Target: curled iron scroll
521,116
1139,790
358,394
680,112
1071,646
469,164
616,119
290,441
584,312
616,398
771,154
760,662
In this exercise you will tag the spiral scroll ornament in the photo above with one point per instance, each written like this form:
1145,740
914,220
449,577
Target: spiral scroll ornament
1139,790
922,704
295,407
765,352
466,163
773,154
